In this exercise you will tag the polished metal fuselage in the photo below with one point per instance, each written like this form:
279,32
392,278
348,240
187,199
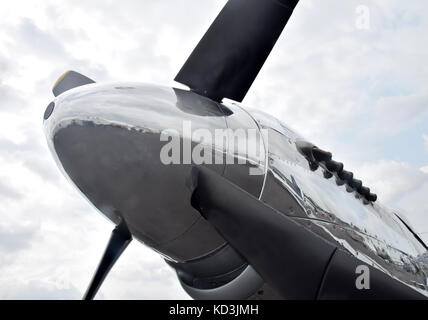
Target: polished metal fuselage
107,140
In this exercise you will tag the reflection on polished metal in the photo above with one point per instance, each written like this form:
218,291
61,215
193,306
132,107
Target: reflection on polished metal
107,140
317,157
371,233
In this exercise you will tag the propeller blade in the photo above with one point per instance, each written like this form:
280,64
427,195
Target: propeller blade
119,240
230,55
70,80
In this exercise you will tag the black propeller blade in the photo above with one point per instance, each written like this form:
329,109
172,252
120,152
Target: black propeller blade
119,240
70,80
230,55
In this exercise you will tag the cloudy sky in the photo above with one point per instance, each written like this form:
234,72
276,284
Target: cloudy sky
355,86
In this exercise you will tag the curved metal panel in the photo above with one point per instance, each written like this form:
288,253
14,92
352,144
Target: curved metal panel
370,232
250,151
106,138
241,288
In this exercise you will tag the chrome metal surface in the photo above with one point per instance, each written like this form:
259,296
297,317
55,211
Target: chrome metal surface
107,140
372,233
242,287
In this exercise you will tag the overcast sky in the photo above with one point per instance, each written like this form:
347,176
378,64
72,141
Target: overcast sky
358,90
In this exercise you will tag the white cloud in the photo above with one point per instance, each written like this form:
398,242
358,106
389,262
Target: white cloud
391,179
41,213
395,113
426,141
326,78
401,186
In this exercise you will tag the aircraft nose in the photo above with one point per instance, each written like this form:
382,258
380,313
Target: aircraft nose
107,140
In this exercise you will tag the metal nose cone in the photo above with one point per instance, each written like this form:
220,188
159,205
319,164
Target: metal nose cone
107,140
